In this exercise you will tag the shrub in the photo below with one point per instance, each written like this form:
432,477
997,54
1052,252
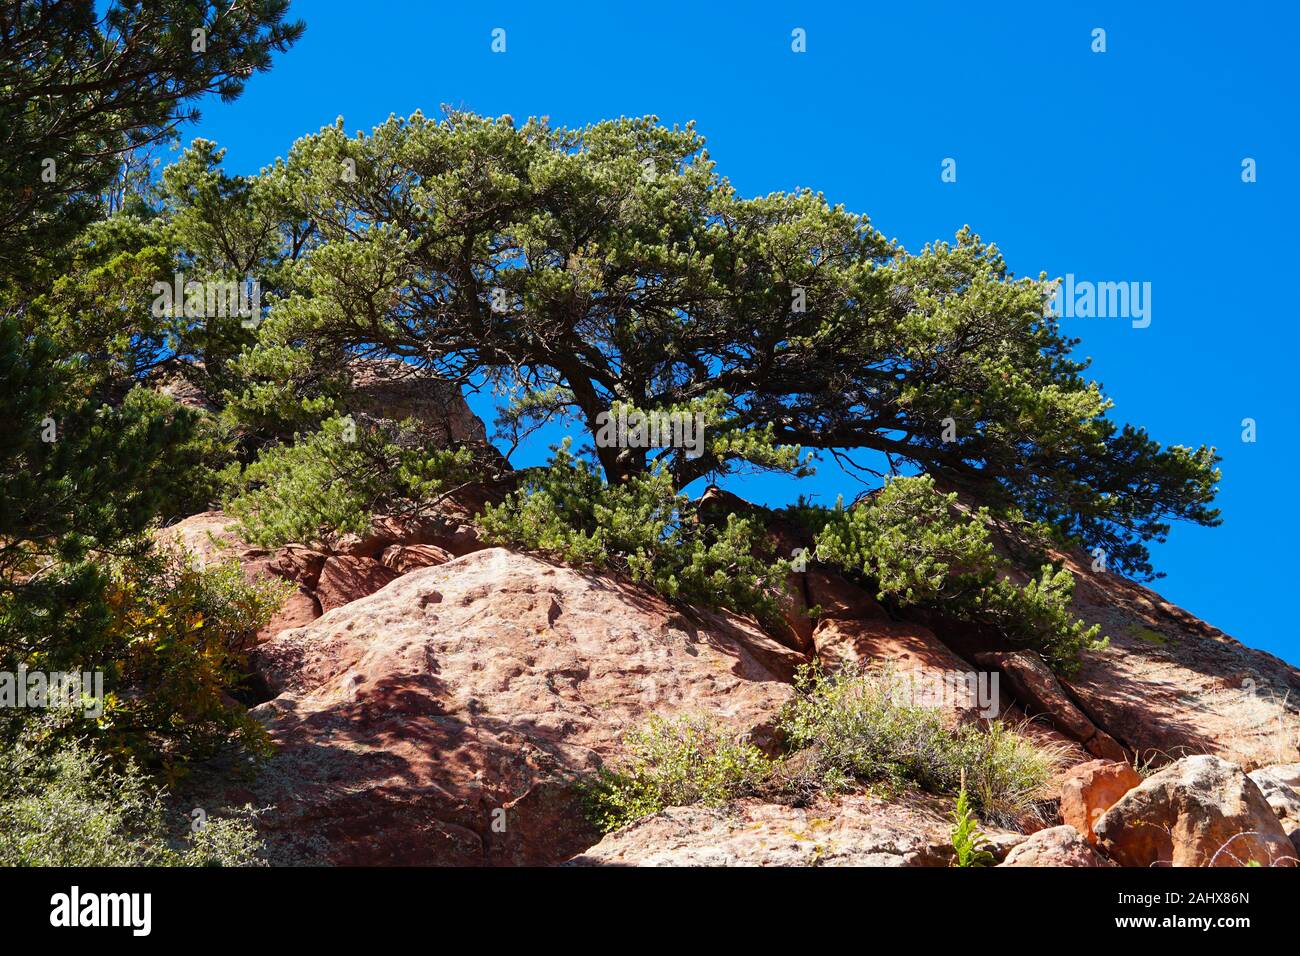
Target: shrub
910,539
860,728
173,649
675,763
641,527
62,804
337,478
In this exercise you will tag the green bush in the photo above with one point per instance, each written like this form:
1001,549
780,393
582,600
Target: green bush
843,731
641,527
336,479
862,729
919,549
173,649
675,763
63,804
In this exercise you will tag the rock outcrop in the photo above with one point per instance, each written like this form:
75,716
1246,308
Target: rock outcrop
1036,688
1055,846
436,701
211,538
1280,786
1200,811
1090,789
345,578
322,579
1171,685
852,830
446,718
391,390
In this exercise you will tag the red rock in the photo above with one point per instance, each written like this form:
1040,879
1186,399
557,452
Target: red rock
939,677
454,534
839,598
848,830
795,626
209,537
410,557
297,563
1171,685
298,609
406,720
1055,846
796,630
1090,789
344,579
1038,692
1200,811
841,641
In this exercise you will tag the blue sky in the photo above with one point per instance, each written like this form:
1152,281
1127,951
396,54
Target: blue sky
1117,166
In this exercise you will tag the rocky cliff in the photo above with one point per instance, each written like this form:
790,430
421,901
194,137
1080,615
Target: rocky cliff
434,701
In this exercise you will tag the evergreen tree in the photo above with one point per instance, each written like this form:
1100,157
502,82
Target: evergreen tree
612,266
89,457
82,84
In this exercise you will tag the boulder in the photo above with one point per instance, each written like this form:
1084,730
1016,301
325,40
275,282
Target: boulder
851,830
297,563
1092,788
1286,774
1200,811
1280,786
1038,692
298,609
210,537
345,579
403,558
392,390
448,717
1055,846
453,533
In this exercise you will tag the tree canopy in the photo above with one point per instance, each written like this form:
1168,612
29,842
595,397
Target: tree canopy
92,456
612,266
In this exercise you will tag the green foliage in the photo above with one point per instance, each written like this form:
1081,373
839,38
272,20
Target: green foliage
335,479
842,731
85,83
920,549
587,269
92,455
174,647
675,763
862,728
64,450
62,804
970,846
642,527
